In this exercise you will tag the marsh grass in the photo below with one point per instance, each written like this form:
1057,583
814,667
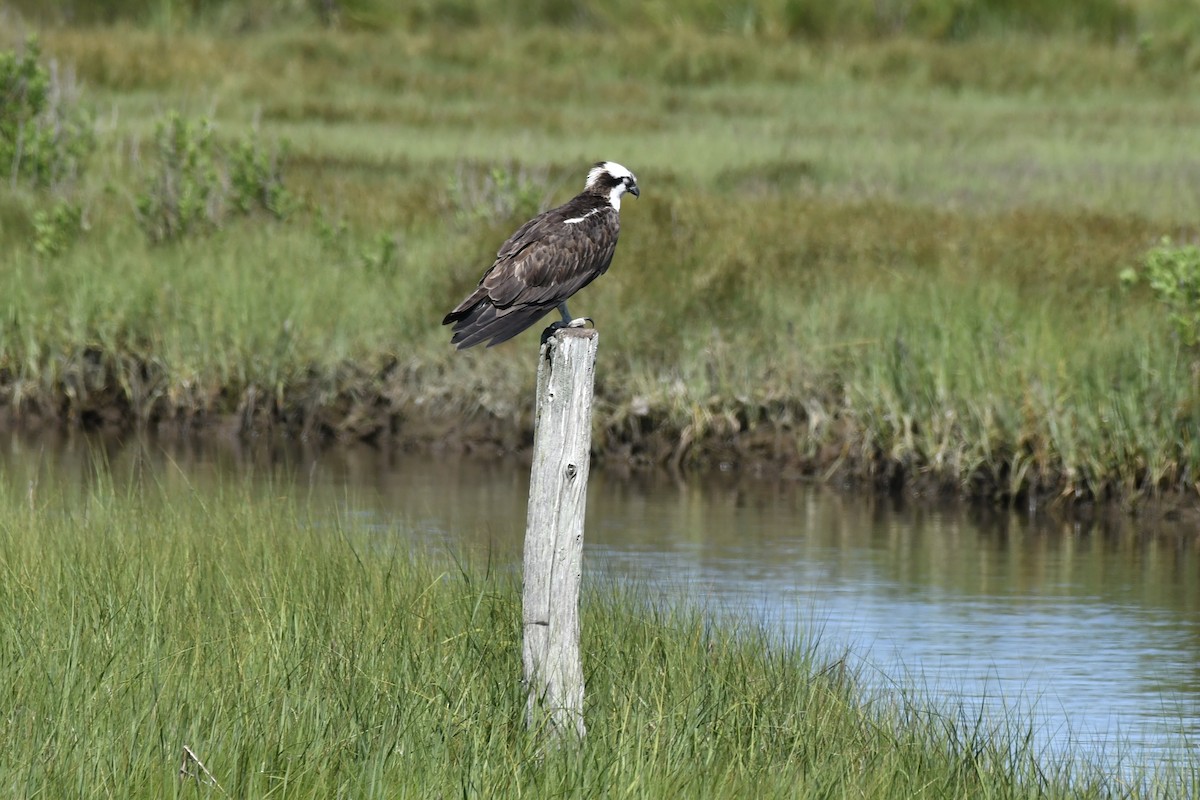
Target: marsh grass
1103,20
295,651
877,260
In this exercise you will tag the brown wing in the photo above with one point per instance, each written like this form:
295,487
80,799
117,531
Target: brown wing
545,262
560,261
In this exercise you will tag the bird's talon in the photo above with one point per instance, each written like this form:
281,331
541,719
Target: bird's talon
581,322
552,329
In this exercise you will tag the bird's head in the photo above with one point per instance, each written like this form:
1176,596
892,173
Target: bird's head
613,180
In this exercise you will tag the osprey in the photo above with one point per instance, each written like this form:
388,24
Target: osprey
548,259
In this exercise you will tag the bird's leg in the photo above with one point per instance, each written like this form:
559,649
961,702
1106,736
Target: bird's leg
566,322
570,322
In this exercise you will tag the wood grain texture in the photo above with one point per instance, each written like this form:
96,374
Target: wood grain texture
553,563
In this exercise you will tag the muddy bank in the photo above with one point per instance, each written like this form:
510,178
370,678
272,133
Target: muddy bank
426,408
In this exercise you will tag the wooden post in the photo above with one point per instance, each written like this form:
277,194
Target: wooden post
553,564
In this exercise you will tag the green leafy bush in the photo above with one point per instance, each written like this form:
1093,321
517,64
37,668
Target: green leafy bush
196,183
55,229
256,177
1173,274
45,136
184,193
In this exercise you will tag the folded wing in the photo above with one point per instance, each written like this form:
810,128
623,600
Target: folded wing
546,261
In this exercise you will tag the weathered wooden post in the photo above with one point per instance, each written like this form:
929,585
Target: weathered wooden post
553,565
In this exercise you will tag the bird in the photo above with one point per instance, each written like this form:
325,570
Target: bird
547,260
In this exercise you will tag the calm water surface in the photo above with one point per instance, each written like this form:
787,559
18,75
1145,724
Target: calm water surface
1093,633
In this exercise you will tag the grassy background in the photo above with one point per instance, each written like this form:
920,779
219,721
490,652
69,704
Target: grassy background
878,252
942,19
298,652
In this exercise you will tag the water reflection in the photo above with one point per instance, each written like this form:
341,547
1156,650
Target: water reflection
1093,631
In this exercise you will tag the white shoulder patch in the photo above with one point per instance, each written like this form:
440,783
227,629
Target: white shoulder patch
577,220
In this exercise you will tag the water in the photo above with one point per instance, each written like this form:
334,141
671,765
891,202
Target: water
1090,632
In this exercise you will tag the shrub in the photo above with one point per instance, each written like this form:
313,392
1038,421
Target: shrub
57,228
184,193
1173,274
197,183
44,134
256,177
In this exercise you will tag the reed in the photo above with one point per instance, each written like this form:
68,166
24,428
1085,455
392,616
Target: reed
162,638
875,260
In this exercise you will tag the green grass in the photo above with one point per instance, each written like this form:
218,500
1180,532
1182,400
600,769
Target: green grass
892,260
300,653
1102,20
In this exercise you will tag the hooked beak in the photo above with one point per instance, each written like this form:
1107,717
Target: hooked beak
633,190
